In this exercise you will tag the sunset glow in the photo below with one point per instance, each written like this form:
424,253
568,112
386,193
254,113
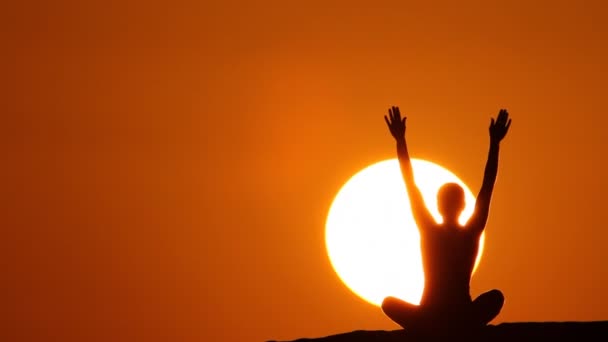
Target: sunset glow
371,238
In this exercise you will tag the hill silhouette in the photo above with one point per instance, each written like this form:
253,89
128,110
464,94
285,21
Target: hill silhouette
518,331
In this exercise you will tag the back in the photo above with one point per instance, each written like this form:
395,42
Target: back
448,258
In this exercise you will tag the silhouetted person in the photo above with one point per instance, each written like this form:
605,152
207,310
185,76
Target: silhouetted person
448,249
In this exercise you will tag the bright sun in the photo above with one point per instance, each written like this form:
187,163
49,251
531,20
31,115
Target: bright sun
371,238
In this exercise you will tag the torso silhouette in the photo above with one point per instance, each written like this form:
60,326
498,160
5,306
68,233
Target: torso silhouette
448,258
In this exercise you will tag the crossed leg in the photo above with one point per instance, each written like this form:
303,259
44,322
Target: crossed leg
414,318
401,312
484,309
487,306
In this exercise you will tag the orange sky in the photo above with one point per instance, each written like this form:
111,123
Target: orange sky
168,167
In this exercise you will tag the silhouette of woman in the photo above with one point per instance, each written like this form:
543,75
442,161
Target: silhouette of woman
449,249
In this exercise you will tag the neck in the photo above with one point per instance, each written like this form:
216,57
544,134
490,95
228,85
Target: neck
451,221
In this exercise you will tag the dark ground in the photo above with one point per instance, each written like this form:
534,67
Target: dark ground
519,332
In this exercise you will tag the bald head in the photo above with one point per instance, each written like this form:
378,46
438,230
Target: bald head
450,201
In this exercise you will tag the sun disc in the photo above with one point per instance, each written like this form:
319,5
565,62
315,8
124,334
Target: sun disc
371,237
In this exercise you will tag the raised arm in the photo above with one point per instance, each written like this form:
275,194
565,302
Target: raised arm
396,125
498,130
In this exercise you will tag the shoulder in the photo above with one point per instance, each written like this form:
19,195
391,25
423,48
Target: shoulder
473,229
428,227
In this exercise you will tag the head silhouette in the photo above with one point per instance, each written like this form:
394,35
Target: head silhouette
450,201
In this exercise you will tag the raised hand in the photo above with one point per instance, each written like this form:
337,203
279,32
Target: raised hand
395,123
500,127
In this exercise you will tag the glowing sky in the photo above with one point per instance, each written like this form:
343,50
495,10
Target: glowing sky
168,167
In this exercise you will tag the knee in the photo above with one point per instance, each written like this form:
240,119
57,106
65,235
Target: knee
389,303
494,299
394,305
497,296
401,312
488,306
